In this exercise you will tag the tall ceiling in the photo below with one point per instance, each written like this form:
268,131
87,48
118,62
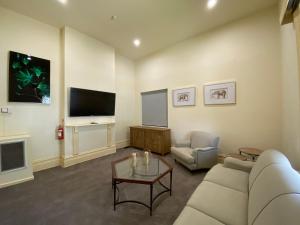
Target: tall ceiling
158,23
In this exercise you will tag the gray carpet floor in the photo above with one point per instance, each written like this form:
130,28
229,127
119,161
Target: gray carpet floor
83,195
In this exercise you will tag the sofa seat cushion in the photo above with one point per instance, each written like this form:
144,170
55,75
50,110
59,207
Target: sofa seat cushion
185,154
224,204
231,178
191,216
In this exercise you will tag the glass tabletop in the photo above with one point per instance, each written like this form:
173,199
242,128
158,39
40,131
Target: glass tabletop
141,170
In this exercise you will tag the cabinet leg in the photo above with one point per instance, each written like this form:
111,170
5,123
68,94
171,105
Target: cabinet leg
171,180
115,187
151,198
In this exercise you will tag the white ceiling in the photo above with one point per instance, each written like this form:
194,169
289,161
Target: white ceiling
158,23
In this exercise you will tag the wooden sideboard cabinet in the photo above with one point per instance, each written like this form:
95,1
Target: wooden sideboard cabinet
155,139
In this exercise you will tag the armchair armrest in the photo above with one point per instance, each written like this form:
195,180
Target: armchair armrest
237,164
205,157
204,149
183,144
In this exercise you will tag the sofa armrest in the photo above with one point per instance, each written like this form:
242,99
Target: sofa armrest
237,164
183,144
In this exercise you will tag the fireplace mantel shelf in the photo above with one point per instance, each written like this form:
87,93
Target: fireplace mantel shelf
13,137
90,124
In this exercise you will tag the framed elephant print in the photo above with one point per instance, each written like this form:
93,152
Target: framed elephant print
220,93
184,97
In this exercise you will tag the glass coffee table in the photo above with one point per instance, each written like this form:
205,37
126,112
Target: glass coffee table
126,170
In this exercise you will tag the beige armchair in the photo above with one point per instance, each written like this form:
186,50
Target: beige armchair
200,152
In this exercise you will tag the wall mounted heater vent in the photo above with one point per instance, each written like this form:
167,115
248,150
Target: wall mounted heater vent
15,160
12,156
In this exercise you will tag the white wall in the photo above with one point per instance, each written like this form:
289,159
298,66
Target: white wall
126,110
89,64
85,62
93,65
247,51
291,96
25,35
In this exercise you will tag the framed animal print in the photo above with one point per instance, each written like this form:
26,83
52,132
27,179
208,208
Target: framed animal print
184,97
220,93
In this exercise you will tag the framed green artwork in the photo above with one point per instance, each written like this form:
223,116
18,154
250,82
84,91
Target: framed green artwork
29,79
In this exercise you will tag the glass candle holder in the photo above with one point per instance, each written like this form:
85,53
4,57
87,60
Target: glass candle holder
147,157
133,155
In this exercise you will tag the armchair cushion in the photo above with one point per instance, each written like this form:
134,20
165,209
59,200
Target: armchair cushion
180,144
205,149
185,154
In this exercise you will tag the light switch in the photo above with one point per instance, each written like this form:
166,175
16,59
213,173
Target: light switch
5,110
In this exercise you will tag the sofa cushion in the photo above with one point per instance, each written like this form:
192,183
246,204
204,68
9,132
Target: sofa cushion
191,216
274,185
224,204
231,178
185,154
266,159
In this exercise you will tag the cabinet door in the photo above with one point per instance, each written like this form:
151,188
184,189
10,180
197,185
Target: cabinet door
137,137
154,141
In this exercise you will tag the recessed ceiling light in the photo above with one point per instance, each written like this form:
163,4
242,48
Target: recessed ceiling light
137,42
211,3
113,17
63,1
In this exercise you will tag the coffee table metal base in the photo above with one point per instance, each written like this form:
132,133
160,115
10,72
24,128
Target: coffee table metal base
152,199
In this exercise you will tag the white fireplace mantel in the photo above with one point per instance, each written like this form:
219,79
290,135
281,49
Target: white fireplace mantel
19,175
76,156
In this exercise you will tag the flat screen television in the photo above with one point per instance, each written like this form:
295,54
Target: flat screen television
85,102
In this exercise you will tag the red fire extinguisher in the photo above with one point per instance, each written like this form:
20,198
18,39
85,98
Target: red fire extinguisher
60,132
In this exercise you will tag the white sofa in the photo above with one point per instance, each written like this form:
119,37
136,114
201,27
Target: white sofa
238,194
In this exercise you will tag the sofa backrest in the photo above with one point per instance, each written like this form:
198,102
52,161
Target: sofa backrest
267,158
201,139
274,197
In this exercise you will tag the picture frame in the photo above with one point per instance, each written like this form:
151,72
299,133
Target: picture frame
184,97
220,93
29,79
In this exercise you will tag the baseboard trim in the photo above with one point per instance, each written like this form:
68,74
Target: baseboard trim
16,182
45,164
83,157
123,144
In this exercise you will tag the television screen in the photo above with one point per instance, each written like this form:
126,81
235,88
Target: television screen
85,102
